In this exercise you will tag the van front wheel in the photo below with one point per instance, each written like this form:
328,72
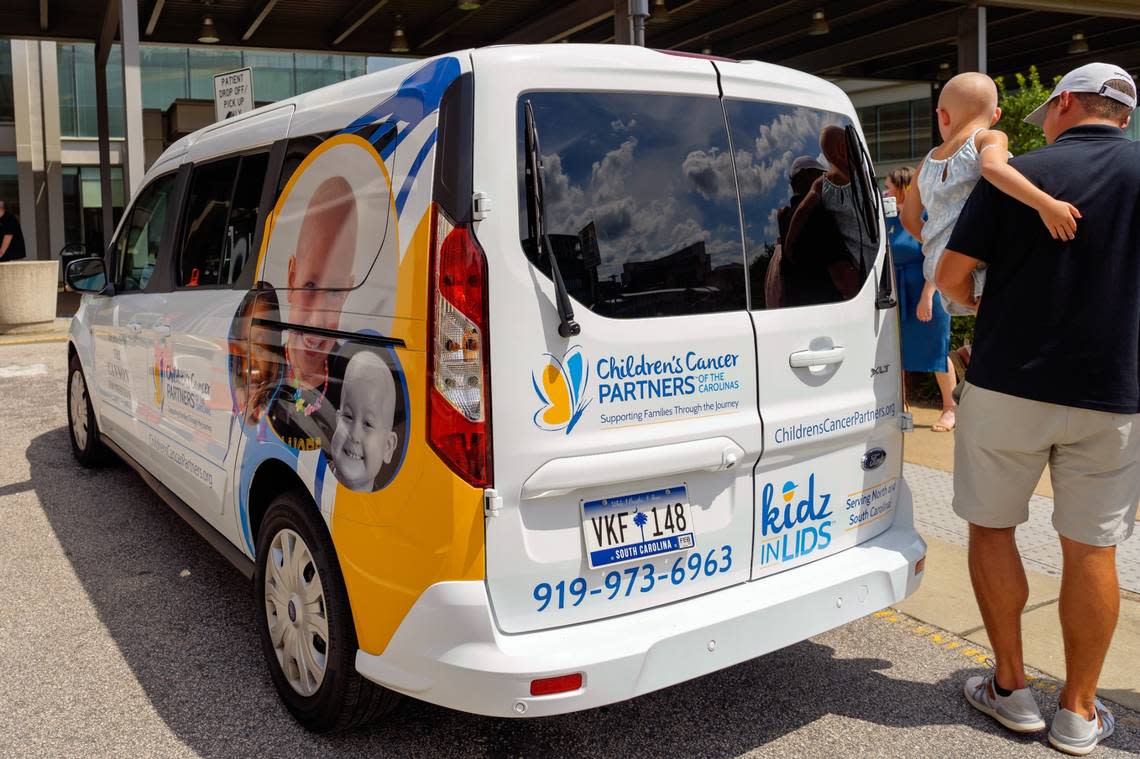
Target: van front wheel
305,622
81,425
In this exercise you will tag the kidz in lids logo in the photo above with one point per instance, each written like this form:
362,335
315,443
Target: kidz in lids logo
561,387
793,529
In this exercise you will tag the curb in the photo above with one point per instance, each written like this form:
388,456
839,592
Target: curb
33,339
1036,679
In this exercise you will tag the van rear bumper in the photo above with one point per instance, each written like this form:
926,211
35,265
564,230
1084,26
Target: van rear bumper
448,651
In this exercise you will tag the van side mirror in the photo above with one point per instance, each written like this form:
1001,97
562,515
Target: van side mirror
88,275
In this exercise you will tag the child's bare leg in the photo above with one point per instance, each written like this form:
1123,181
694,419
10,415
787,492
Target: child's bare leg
945,381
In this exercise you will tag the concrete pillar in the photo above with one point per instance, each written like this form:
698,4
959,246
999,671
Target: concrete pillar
134,165
29,147
972,38
104,131
53,169
623,24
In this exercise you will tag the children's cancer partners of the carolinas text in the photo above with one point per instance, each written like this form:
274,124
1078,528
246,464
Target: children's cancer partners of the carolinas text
826,426
633,378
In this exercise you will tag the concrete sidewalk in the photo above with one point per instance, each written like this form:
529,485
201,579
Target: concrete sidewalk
946,598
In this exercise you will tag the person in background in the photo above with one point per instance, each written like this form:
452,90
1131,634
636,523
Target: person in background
11,238
923,323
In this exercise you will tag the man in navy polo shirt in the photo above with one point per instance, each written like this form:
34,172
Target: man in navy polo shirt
1054,378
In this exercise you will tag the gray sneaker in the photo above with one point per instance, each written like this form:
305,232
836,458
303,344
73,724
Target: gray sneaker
1018,711
1075,735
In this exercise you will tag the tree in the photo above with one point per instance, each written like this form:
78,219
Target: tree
640,519
1018,103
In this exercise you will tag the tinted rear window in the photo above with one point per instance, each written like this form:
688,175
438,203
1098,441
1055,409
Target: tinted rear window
810,237
634,210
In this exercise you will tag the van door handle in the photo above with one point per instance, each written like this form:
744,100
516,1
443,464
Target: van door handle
802,359
134,327
565,475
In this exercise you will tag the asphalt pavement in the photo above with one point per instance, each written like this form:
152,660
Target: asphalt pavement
123,634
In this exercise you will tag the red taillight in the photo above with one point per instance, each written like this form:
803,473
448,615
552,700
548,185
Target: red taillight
548,686
459,418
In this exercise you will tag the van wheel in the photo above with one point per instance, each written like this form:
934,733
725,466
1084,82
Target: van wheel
81,425
305,622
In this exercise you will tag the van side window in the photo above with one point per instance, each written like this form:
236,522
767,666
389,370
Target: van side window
139,240
808,241
220,220
640,202
244,215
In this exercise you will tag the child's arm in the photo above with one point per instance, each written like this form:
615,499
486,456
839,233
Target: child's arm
993,151
911,215
925,309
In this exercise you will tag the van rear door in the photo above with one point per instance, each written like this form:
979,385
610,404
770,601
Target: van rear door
622,456
829,366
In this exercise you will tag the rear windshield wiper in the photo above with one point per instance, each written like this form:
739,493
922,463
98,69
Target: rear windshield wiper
567,327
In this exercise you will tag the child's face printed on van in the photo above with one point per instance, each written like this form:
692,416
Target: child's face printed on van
320,273
364,440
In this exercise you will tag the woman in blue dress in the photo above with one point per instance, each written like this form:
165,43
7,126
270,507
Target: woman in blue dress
924,323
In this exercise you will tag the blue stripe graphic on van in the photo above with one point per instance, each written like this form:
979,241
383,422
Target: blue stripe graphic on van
402,197
416,98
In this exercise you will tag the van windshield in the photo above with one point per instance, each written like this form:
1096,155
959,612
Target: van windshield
644,212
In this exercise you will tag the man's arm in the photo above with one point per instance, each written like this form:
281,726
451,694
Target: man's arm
955,277
4,245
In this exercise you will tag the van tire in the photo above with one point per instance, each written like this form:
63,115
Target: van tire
343,699
86,445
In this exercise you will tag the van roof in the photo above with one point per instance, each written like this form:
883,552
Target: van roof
532,57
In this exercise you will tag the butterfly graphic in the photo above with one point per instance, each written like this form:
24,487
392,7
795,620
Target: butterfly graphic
561,386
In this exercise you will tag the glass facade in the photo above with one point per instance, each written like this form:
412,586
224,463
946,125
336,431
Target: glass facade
7,107
171,73
9,184
897,131
77,114
83,205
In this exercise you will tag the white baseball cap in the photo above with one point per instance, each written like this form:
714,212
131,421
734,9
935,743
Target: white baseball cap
1092,77
803,163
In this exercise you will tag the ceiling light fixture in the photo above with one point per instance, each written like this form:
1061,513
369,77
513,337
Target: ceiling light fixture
660,13
819,25
944,72
1078,44
399,39
208,34
469,5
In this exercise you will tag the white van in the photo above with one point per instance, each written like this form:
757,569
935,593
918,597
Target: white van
520,380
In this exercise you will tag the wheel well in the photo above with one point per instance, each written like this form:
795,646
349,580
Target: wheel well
272,478
71,350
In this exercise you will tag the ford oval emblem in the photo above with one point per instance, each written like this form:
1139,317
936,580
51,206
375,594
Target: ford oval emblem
874,458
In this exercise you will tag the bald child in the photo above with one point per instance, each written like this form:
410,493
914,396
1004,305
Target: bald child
319,278
364,441
971,149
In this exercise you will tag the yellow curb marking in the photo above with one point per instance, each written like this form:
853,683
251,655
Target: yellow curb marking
976,655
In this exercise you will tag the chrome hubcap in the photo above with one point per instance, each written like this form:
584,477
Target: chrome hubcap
296,612
77,399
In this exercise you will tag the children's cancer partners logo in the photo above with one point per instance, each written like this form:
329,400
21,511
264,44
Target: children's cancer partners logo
561,387
158,374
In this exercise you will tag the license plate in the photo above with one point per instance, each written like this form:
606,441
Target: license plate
637,526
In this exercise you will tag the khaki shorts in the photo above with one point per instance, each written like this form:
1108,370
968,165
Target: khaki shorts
1002,443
